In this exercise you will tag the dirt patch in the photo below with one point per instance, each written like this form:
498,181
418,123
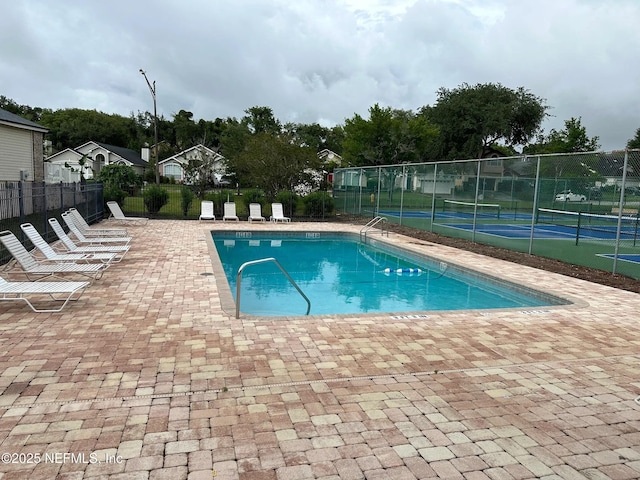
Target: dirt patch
542,263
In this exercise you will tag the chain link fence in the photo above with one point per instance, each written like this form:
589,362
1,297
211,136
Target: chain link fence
579,208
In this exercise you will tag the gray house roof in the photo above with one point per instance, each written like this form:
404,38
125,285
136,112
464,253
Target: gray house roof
16,120
126,153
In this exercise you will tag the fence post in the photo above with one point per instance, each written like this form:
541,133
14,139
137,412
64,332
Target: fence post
475,203
402,185
377,208
535,204
21,201
44,211
360,192
433,197
620,209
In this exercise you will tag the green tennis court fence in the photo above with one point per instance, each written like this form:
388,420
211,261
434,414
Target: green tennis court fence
467,198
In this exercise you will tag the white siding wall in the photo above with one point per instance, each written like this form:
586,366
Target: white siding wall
16,153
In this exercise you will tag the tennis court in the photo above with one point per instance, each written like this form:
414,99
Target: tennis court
498,202
461,210
541,231
549,224
625,257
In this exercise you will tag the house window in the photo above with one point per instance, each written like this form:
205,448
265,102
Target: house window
174,171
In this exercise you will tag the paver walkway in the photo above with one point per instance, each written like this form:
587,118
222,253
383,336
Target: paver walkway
147,377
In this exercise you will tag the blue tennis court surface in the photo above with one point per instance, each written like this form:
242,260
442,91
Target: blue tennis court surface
558,232
453,215
626,257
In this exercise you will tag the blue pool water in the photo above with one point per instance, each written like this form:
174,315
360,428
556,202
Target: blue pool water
341,275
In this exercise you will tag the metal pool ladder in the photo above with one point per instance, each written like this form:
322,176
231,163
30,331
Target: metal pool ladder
264,260
372,223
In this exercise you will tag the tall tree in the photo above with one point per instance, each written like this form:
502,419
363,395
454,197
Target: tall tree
71,127
274,163
234,138
635,141
572,138
473,118
186,130
388,136
261,120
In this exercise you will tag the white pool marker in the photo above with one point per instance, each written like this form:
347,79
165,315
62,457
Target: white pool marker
401,271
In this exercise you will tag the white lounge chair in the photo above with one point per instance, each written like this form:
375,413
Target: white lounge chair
119,250
90,231
206,210
119,216
255,213
32,267
51,255
230,212
277,213
16,291
68,219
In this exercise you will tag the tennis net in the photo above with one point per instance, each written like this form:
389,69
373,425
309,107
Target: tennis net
590,225
466,209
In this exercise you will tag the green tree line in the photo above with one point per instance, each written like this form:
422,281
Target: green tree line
468,121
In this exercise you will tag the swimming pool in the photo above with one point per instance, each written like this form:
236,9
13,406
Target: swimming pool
341,275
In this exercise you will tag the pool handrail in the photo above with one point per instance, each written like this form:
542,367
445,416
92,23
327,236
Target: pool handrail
372,223
264,260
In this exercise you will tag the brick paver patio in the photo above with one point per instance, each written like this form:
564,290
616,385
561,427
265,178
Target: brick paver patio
148,377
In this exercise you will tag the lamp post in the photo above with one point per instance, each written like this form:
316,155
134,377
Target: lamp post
152,89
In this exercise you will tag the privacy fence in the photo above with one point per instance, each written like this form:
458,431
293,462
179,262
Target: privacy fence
578,208
36,202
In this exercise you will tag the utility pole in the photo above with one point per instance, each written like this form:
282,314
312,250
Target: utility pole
152,89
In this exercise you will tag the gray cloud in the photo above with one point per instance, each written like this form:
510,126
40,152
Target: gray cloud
323,61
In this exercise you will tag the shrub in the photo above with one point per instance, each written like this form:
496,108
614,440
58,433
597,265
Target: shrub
118,176
218,198
155,198
289,201
187,197
253,196
318,204
111,193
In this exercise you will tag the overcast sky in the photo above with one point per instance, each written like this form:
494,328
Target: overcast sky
323,60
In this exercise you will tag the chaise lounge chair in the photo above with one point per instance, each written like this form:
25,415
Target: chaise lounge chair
33,268
277,213
119,250
68,219
230,212
206,210
89,231
16,291
51,255
255,213
119,216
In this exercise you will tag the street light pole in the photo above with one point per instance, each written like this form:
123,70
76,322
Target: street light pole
152,89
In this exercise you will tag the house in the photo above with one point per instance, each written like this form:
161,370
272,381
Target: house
327,156
85,161
21,148
174,166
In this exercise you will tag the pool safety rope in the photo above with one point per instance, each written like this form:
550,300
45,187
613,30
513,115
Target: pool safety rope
401,271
